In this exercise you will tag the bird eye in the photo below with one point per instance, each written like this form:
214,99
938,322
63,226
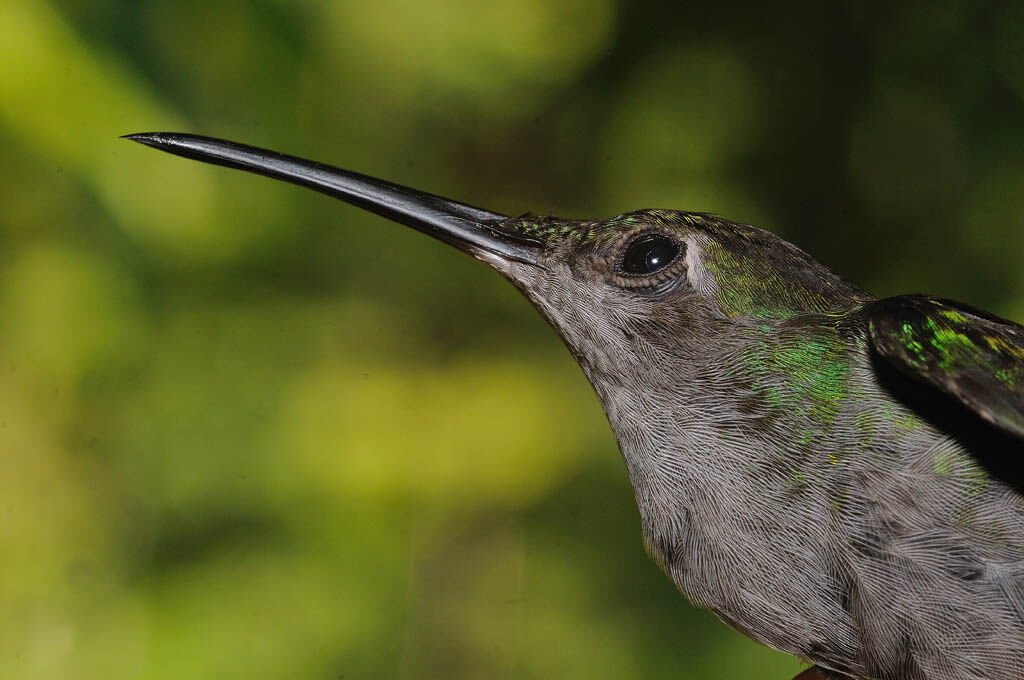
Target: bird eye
648,254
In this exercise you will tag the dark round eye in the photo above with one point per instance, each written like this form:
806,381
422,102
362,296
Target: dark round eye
647,254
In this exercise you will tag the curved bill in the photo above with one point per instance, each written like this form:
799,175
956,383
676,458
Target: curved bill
470,229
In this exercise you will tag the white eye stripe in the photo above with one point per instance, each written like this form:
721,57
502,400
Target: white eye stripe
698,275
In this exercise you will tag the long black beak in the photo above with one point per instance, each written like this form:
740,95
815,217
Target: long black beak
470,229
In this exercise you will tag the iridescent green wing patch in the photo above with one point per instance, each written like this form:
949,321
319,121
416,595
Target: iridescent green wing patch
969,354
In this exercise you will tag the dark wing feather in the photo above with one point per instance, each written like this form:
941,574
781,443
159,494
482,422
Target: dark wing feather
969,354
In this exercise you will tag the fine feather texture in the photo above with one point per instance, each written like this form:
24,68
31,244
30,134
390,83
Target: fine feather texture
812,496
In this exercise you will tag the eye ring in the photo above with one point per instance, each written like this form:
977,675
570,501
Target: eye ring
647,259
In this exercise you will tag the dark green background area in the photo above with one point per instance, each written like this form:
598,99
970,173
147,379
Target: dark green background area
248,432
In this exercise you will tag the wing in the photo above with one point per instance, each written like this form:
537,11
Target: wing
969,354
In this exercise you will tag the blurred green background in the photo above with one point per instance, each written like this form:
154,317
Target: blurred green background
248,432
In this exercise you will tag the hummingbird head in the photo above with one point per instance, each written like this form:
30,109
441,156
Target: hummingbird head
652,284
636,289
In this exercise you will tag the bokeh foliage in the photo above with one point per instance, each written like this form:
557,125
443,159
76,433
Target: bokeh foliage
246,432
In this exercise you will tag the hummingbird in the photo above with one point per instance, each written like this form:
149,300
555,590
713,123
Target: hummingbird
835,476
